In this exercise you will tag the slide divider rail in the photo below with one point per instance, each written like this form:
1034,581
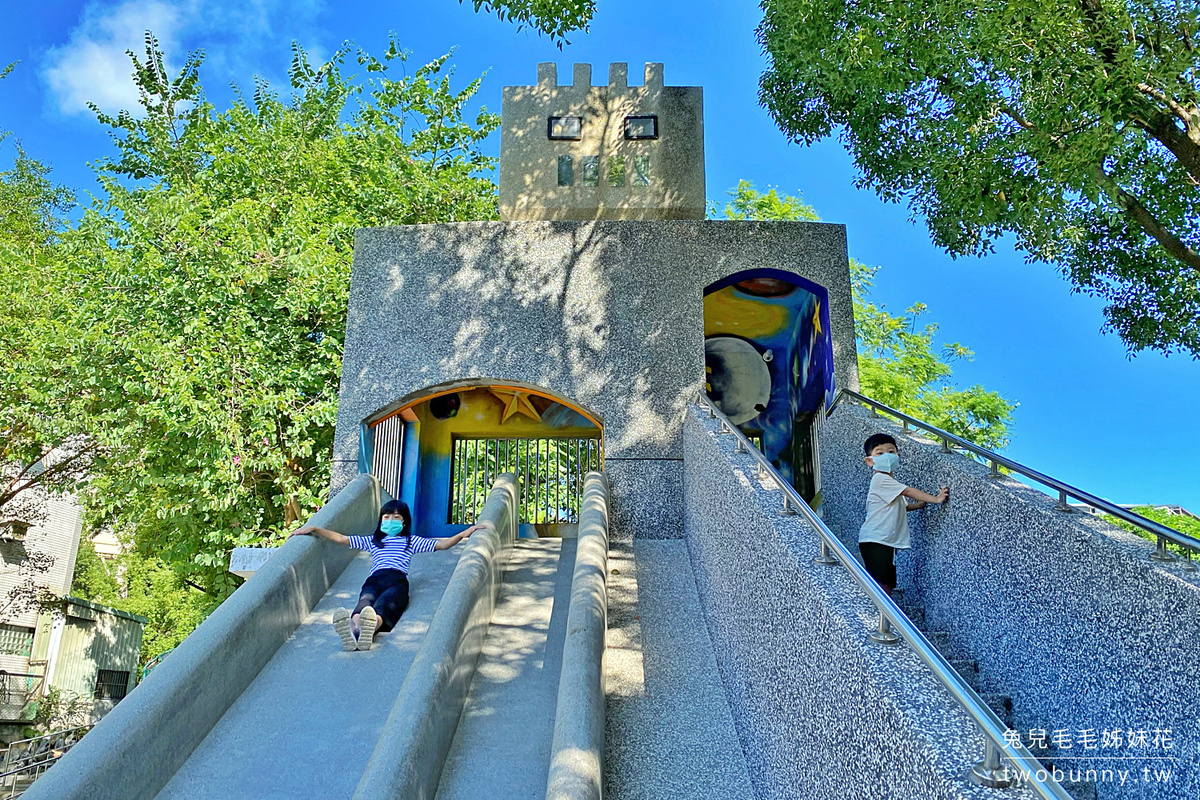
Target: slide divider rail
408,759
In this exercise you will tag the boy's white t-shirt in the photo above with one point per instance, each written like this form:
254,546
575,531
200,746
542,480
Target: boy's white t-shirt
887,513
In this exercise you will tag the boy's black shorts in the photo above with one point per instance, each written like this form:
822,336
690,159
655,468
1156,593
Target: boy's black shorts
879,559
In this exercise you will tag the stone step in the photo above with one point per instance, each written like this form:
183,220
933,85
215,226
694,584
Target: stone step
916,614
1001,704
1079,790
968,669
945,645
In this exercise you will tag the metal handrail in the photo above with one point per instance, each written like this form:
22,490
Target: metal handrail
989,771
154,662
30,690
1162,533
34,760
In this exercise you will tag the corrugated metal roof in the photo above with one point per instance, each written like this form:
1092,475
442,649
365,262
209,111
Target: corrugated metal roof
102,608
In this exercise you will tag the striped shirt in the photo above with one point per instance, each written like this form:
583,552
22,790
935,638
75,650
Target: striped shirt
396,552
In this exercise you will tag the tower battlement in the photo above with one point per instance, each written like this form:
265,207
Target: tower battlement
579,151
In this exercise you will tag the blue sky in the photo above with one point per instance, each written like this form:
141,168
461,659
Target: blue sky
1088,413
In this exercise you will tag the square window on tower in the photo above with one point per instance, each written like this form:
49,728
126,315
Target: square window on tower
565,128
641,127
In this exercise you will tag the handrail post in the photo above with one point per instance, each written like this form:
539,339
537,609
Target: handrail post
826,558
1062,503
787,504
885,634
1161,553
946,445
991,772
995,473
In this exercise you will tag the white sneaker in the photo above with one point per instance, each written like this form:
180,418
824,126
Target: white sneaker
341,624
367,621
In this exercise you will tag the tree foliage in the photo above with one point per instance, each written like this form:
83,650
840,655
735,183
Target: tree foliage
555,18
1180,521
42,417
898,363
212,286
1075,127
146,586
749,203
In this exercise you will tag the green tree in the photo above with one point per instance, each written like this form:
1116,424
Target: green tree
146,586
1180,521
92,579
749,203
1075,127
555,18
42,449
212,286
898,363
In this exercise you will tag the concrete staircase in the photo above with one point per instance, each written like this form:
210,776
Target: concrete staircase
999,702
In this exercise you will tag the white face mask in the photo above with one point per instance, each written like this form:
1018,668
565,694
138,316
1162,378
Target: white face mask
885,462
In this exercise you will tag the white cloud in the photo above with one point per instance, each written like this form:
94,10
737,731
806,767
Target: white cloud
93,66
235,35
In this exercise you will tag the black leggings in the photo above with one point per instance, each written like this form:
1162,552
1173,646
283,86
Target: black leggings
386,591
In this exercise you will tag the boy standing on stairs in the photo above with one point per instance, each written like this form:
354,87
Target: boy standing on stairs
886,528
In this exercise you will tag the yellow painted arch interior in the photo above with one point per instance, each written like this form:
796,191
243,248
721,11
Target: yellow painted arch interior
503,386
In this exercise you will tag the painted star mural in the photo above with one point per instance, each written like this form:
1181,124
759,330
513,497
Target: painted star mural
515,402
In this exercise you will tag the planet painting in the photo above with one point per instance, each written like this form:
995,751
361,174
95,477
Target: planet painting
768,361
737,377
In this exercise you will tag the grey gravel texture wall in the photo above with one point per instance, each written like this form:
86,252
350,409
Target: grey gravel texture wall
606,314
821,711
1063,612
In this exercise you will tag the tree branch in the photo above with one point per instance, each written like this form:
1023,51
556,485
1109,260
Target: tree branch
199,588
50,472
1188,118
1149,223
1184,145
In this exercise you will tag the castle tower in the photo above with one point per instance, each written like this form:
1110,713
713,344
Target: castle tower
582,152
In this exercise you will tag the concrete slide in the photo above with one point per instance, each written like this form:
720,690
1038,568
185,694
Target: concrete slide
461,699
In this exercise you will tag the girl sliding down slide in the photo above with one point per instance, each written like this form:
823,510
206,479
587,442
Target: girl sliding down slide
384,595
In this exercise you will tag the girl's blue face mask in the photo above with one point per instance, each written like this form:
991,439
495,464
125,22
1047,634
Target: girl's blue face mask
392,527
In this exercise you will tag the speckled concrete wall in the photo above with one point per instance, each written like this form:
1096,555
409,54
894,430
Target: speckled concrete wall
1063,612
821,711
608,315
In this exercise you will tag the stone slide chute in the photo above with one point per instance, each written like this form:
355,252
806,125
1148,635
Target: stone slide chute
262,702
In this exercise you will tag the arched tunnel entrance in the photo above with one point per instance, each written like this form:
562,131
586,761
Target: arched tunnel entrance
768,362
439,450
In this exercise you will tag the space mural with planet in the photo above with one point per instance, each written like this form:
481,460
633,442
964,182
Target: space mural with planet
768,358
